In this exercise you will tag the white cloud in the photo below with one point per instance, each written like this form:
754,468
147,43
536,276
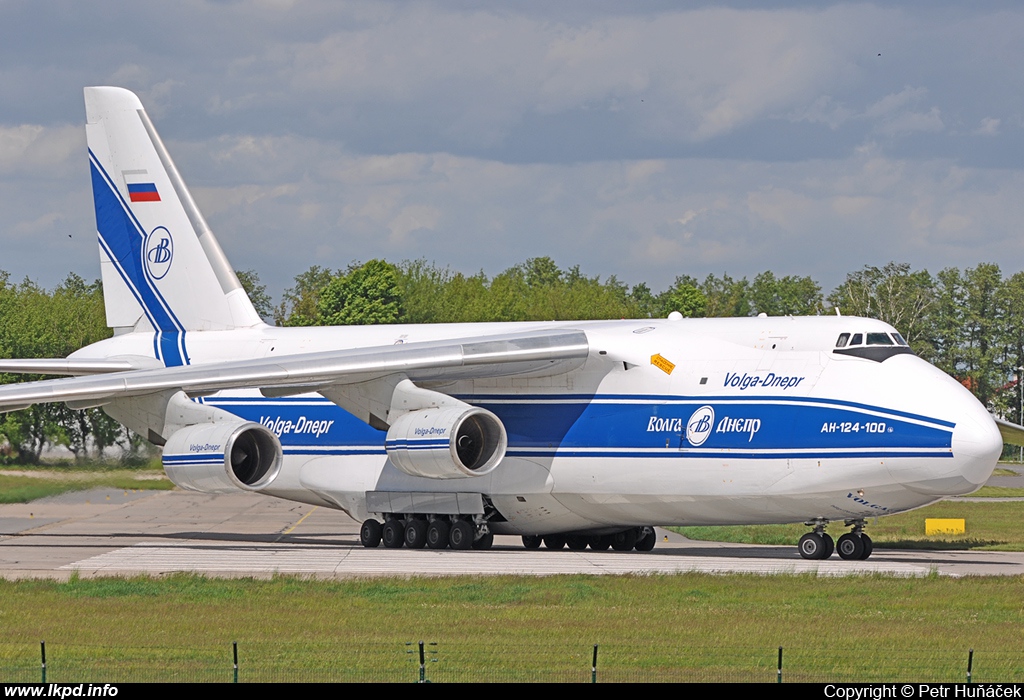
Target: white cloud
38,150
320,133
989,126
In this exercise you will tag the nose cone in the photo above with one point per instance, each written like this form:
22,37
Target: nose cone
975,443
977,446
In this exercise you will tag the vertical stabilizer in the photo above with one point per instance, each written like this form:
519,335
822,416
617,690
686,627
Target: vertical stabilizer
163,270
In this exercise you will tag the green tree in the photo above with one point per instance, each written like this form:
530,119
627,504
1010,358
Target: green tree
726,297
895,294
785,296
367,294
300,304
1011,340
257,292
965,329
685,297
33,324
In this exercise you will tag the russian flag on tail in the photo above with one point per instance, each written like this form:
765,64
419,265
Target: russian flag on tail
143,192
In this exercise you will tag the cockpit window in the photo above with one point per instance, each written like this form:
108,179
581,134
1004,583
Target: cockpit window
857,339
879,339
900,340
843,339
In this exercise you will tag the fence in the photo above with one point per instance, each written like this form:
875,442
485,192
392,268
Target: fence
454,662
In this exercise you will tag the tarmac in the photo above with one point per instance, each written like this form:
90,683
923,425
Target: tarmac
108,532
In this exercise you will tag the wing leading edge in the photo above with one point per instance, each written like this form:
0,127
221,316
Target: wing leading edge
545,352
1012,433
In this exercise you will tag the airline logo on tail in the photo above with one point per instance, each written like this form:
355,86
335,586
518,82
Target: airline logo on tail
159,252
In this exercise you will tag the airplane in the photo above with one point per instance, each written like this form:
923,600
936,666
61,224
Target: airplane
578,434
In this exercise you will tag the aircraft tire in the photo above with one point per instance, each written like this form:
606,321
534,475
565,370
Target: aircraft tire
416,534
393,534
850,546
577,543
461,535
647,541
484,541
868,546
625,540
369,533
532,541
554,541
599,543
812,546
830,545
437,534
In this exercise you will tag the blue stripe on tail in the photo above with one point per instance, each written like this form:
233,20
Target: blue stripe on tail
123,240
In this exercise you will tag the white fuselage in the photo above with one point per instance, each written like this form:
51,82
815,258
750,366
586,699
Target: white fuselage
702,421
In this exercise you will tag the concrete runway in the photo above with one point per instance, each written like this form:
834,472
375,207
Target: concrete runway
114,533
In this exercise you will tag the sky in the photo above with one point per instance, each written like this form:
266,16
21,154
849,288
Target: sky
642,139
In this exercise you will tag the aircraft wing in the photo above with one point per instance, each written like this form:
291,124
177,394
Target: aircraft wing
1012,433
70,367
548,352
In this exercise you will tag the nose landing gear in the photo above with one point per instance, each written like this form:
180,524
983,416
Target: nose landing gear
854,545
817,544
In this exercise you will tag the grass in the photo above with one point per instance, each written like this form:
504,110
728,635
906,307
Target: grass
993,526
28,486
671,627
998,492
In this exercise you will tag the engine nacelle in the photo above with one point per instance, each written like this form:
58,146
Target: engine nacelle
222,457
447,443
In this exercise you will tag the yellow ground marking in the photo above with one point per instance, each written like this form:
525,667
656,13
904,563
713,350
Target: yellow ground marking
289,530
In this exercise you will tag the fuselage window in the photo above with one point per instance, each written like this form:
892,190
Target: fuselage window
857,339
879,339
843,339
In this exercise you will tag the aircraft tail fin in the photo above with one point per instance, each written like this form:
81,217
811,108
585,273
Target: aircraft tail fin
163,270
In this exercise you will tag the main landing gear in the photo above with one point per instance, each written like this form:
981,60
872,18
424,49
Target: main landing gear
433,531
854,545
641,539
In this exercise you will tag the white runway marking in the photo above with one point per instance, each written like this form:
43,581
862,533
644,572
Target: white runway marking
259,559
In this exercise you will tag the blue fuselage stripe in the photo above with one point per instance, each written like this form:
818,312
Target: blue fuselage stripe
629,427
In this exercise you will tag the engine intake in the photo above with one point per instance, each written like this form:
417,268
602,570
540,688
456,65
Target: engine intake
447,443
222,457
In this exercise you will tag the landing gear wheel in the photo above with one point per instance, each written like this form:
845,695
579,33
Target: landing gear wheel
393,534
850,546
646,541
369,533
868,546
599,543
812,546
554,541
461,535
830,545
484,542
577,543
416,534
532,541
625,540
437,534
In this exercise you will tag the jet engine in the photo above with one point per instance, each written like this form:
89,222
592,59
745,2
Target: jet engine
447,442
222,457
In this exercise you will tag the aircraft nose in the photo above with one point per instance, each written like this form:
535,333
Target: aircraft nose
977,445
